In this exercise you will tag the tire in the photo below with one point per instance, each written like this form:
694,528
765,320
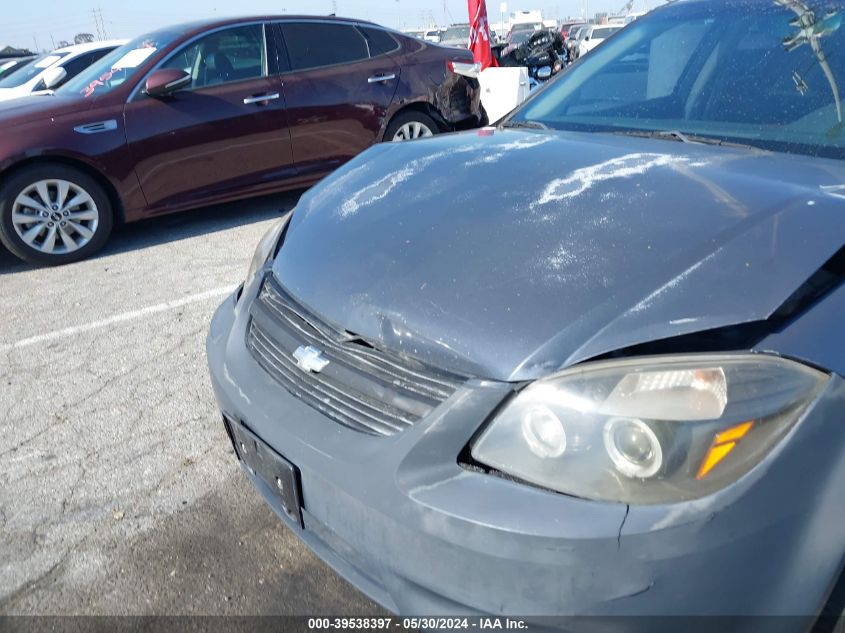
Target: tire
54,233
410,125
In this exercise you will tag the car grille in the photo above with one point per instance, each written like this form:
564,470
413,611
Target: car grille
364,388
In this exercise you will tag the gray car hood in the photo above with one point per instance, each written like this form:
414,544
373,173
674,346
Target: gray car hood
513,254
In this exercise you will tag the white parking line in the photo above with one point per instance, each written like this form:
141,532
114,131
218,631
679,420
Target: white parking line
118,318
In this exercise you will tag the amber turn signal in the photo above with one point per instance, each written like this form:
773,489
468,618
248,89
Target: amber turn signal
722,445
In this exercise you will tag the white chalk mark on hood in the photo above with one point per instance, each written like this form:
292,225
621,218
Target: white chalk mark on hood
382,187
626,166
505,148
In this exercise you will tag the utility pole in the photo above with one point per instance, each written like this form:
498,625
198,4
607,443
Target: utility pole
99,24
52,41
35,40
103,25
334,7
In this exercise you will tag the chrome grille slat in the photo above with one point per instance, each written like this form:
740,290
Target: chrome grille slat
327,388
440,388
362,388
305,391
330,346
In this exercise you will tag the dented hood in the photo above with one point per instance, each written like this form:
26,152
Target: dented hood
511,255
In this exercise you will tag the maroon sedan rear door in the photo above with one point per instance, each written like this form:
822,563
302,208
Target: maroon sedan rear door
338,91
226,133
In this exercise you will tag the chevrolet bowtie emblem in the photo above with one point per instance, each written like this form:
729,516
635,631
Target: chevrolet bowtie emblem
310,359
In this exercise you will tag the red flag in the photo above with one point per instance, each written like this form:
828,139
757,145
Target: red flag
479,34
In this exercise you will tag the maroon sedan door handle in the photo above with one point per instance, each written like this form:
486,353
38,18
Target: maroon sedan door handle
376,79
259,99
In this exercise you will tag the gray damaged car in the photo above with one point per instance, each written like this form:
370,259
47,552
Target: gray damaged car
588,362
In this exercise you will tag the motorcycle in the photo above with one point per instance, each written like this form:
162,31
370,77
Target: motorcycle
544,54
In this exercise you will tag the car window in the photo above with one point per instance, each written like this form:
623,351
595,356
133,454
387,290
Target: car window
120,65
603,33
235,54
78,64
456,33
520,37
380,41
14,66
733,73
31,71
315,44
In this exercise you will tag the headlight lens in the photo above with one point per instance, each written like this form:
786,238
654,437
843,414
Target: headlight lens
653,430
266,247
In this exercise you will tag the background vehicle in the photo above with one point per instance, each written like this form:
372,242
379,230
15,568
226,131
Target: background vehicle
433,36
47,69
526,26
516,39
456,36
210,112
572,38
638,404
9,66
591,36
543,54
566,27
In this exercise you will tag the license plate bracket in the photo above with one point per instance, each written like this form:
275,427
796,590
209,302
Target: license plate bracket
280,475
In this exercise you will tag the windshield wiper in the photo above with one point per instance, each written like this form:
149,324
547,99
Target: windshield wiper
529,125
675,135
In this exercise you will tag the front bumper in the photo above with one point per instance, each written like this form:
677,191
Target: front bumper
403,522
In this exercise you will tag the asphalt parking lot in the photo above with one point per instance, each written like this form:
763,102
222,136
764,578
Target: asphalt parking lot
119,493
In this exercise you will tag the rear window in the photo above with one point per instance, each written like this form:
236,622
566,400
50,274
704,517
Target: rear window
314,44
381,42
457,33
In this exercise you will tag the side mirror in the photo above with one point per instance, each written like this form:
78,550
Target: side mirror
544,73
166,81
53,77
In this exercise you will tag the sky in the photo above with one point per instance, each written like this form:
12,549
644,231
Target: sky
47,22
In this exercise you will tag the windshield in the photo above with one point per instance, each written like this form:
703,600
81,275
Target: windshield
7,68
457,33
526,26
31,70
604,32
520,37
757,73
120,65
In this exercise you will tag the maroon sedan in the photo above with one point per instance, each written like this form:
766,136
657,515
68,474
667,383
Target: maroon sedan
206,113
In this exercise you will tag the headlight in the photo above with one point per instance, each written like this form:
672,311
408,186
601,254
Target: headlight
266,247
651,430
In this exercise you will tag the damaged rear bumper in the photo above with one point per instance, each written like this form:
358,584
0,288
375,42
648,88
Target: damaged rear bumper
401,520
458,100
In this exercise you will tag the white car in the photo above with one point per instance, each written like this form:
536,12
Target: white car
591,36
53,69
432,35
